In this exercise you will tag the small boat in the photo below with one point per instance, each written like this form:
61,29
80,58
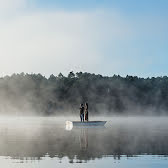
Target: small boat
89,123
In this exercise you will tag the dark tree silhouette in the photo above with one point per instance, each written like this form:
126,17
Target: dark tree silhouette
26,93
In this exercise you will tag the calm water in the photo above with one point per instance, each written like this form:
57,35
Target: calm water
45,142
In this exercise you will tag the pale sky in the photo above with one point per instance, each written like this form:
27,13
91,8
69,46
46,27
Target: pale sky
106,37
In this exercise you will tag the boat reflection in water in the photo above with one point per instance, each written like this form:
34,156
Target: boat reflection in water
84,128
83,138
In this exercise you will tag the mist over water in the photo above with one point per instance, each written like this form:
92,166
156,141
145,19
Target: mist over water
34,94
27,139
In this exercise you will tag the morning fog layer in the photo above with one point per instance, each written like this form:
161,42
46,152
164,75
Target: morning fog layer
27,94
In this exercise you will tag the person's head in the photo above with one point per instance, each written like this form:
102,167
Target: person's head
81,104
86,104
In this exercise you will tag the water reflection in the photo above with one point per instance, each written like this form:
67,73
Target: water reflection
83,138
50,139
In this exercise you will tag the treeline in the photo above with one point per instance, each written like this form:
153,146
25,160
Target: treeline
26,94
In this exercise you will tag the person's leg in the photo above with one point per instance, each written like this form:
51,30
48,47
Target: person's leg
86,117
81,117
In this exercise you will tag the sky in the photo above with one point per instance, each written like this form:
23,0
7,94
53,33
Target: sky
123,37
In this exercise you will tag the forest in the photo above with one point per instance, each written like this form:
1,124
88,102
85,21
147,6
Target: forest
28,94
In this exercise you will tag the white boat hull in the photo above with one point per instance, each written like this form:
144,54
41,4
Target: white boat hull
89,123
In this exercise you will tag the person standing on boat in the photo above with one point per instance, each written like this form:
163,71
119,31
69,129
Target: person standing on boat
82,112
86,112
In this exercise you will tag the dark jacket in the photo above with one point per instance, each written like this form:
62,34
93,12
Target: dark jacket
81,110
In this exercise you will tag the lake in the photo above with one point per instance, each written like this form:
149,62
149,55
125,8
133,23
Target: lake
45,142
